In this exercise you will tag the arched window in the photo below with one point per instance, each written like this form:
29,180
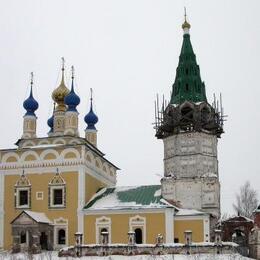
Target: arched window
101,235
23,237
138,236
103,224
61,237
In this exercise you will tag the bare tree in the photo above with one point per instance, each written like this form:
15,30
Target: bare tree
246,200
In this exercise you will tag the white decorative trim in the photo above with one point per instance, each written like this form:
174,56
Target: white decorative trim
193,217
98,174
60,223
65,166
43,142
49,151
138,222
88,212
59,141
206,228
8,155
17,197
57,187
68,150
39,193
25,154
103,222
88,153
169,225
1,210
28,143
81,199
75,141
99,162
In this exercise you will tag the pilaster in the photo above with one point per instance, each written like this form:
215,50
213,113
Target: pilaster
71,123
29,126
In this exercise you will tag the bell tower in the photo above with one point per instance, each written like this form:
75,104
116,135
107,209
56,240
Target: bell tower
190,127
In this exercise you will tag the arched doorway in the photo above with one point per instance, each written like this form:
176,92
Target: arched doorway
61,237
138,236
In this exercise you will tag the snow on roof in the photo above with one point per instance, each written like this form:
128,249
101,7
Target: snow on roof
128,197
189,212
43,146
238,219
38,216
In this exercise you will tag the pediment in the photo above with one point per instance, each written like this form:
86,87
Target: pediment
23,219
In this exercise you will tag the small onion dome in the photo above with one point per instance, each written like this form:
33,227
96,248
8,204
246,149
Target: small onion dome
60,93
30,104
91,119
72,100
50,122
185,25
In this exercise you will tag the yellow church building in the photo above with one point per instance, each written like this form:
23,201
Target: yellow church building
52,187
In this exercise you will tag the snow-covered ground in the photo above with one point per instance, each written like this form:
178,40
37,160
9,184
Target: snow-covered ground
54,256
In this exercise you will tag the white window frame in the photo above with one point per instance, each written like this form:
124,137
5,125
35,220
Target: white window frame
18,189
60,223
138,222
37,195
57,187
103,222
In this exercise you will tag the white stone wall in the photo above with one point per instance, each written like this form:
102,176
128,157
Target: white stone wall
191,171
190,155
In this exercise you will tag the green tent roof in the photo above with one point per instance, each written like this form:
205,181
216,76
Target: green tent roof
188,85
128,198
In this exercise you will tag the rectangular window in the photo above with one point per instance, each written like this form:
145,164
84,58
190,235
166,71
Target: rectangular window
58,197
23,197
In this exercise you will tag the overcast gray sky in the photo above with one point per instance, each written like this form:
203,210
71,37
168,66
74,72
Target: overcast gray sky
127,51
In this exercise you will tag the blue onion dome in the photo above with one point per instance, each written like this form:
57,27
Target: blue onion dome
30,104
50,121
72,100
91,118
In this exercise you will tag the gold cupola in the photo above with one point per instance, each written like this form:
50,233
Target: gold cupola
185,26
59,94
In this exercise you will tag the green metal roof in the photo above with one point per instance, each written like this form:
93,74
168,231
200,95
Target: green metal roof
128,197
187,85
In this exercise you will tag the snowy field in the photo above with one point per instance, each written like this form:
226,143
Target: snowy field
53,256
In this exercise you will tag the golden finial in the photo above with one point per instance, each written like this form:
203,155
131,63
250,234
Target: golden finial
61,91
72,72
185,25
62,69
31,79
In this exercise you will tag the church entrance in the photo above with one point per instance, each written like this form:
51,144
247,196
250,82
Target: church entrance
32,231
44,241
